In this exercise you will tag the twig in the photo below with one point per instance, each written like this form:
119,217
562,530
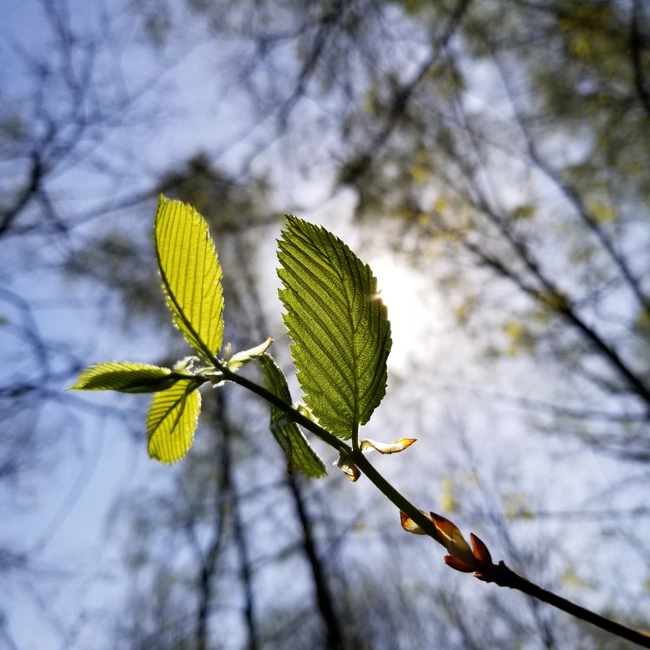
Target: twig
499,574
506,577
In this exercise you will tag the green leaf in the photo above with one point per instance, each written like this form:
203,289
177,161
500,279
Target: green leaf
125,377
191,275
172,420
339,326
299,452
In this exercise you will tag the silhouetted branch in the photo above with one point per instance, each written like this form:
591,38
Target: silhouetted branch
253,642
324,597
503,576
402,97
572,196
637,46
209,564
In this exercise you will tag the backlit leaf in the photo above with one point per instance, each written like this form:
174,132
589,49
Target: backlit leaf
448,501
439,535
125,377
339,326
522,212
245,356
387,447
299,452
172,420
602,212
191,275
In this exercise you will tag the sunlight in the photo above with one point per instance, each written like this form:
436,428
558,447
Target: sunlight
400,290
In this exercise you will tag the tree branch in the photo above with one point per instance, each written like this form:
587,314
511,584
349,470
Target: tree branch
499,574
636,45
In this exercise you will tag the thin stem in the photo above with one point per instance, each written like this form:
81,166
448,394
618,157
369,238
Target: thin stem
293,413
506,577
500,573
394,495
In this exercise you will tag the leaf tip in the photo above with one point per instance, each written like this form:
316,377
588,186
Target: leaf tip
163,461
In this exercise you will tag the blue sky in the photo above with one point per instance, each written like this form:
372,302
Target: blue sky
62,512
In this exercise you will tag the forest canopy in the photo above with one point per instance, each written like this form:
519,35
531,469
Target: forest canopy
488,160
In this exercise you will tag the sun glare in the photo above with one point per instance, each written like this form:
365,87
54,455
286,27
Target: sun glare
400,290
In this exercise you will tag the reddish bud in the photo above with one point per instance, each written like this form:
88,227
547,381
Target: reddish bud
452,539
481,552
457,564
444,525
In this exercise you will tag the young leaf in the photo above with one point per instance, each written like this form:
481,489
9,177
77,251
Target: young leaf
409,525
191,275
125,377
300,453
345,464
387,447
242,358
172,420
339,326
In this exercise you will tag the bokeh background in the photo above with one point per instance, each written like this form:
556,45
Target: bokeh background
490,160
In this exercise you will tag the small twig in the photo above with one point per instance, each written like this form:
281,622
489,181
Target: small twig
499,574
504,576
636,44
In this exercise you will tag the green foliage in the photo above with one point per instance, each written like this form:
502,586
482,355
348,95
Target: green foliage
191,275
299,452
172,420
338,323
339,326
126,377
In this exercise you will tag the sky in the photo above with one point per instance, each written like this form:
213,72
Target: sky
76,566
76,572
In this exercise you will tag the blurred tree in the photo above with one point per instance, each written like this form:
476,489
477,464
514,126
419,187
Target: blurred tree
59,107
507,140
207,512
502,146
503,138
506,135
